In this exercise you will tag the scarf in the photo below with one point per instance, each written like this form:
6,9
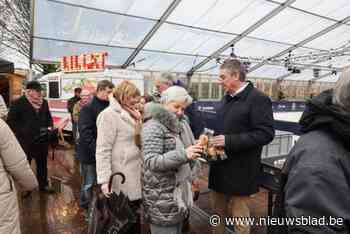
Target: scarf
34,101
136,115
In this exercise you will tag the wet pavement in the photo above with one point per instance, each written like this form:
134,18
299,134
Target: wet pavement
59,213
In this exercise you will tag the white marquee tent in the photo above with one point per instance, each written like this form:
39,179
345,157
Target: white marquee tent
191,35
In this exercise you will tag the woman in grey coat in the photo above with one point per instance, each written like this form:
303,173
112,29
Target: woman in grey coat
166,173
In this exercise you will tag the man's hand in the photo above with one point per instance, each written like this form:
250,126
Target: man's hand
219,141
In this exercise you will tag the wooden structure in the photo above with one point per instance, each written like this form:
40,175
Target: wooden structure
10,81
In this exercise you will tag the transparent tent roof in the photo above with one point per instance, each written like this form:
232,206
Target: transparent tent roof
274,37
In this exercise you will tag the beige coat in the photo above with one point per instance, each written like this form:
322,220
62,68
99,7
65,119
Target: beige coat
3,108
13,168
116,150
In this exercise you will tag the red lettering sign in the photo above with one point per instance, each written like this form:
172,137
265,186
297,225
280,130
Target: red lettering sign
84,62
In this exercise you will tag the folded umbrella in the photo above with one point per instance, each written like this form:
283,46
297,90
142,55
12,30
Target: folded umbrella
112,215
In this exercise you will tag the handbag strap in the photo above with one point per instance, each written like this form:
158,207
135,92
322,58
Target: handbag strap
111,179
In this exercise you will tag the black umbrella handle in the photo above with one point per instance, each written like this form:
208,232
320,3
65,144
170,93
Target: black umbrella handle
111,179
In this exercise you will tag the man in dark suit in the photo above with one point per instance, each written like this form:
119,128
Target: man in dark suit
245,125
30,119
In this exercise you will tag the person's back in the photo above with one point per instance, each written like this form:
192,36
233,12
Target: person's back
318,167
318,170
13,168
3,108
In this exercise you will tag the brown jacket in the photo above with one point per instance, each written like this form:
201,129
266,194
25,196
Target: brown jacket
13,168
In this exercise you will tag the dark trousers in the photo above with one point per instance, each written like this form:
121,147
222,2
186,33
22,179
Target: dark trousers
88,180
41,169
74,131
136,207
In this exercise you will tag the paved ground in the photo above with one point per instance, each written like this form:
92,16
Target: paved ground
59,213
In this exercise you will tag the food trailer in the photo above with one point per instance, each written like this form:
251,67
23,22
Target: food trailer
83,71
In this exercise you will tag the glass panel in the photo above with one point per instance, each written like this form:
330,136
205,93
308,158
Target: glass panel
332,40
338,62
224,15
153,8
305,75
181,39
194,89
269,71
54,89
46,14
248,47
337,9
210,68
71,23
291,26
54,50
264,152
215,90
273,150
185,64
330,78
285,144
147,60
204,90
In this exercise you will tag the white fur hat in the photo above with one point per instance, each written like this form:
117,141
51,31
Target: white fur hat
175,93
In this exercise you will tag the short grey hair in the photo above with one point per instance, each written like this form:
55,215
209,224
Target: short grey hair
175,94
341,95
235,66
166,77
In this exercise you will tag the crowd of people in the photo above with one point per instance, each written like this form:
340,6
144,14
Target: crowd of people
149,139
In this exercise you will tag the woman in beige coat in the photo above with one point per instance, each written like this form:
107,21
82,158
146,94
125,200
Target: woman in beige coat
116,149
14,168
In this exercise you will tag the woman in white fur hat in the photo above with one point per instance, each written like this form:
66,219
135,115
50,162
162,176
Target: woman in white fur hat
167,174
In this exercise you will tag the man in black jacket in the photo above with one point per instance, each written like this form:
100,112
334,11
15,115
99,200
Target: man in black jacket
86,148
70,105
30,119
245,125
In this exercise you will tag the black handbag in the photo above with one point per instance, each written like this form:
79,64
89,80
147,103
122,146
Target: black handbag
112,215
46,136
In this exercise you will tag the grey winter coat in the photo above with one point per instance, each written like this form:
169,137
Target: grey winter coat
187,139
166,173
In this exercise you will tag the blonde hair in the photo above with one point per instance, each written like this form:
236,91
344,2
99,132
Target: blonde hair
125,90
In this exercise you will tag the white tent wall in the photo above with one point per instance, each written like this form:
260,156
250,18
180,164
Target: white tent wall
177,35
206,86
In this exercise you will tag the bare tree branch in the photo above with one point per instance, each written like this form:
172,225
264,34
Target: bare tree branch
15,27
